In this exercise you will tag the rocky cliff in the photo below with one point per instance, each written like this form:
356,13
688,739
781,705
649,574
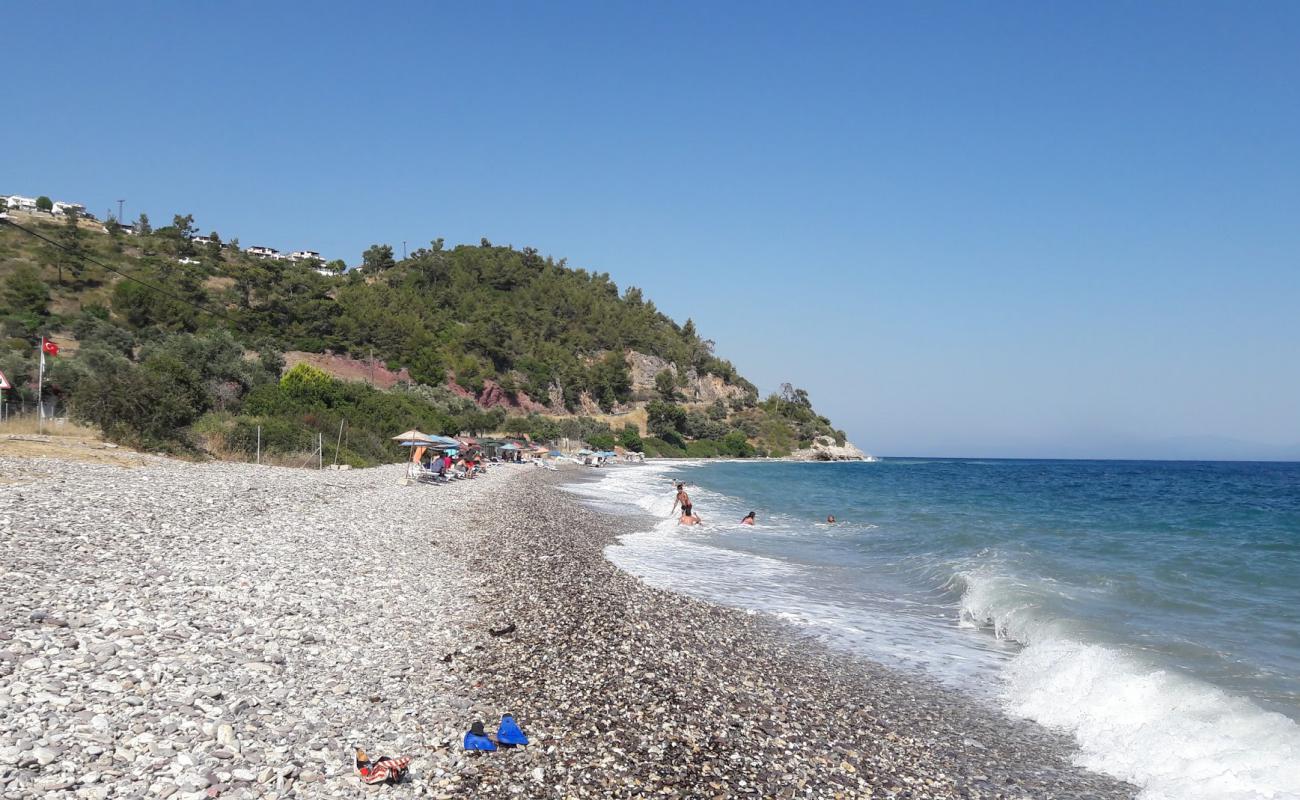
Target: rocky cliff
694,388
824,448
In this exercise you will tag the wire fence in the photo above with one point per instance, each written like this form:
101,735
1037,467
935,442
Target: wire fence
18,409
316,449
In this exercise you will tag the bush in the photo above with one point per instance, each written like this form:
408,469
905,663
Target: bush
665,420
656,447
735,444
601,441
702,448
148,405
308,387
630,439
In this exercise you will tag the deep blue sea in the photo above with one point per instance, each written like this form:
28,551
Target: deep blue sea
1150,609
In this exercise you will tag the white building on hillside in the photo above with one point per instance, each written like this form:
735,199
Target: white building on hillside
263,252
304,255
20,203
61,207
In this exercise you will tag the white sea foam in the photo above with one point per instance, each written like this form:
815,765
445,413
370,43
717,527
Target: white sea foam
1176,737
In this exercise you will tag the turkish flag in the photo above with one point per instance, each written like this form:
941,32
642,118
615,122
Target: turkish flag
49,347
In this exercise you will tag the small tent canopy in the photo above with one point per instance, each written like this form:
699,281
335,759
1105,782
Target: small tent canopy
509,446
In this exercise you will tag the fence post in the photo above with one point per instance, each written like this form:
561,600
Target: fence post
259,444
320,450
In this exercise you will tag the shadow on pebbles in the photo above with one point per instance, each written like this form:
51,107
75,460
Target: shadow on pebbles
226,630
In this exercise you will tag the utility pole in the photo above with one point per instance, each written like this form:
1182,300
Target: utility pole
119,211
403,249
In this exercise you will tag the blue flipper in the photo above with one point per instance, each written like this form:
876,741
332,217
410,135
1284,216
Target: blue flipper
475,741
510,733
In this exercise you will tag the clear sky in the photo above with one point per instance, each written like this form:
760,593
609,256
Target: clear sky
996,229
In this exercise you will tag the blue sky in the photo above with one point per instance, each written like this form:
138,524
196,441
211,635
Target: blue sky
1016,229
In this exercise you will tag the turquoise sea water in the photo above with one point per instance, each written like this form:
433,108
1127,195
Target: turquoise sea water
1151,609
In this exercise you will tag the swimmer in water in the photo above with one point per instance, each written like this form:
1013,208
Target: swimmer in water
830,520
749,519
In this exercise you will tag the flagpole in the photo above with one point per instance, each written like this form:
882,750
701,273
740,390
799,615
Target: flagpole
40,390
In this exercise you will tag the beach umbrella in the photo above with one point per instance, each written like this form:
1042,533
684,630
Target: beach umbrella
418,441
413,436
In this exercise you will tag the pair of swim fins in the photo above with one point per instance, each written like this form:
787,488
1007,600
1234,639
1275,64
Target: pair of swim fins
508,734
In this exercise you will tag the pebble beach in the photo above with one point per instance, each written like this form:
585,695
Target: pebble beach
227,630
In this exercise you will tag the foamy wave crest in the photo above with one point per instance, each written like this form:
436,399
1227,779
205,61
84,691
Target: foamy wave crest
1174,736
1178,738
1014,609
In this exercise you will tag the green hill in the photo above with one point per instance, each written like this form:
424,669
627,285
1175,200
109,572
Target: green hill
189,355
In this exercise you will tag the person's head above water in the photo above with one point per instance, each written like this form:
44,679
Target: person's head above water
831,519
750,515
681,486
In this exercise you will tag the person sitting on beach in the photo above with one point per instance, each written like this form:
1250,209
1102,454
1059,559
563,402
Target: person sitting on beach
683,500
749,519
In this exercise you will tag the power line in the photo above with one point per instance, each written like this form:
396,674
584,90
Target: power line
116,271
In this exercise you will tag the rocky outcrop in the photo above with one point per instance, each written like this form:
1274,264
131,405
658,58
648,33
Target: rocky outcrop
824,448
555,398
587,405
709,388
493,395
644,368
697,389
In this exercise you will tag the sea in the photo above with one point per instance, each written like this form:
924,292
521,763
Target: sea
1151,610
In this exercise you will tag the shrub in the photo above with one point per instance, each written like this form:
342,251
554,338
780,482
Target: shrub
702,448
631,439
601,441
655,446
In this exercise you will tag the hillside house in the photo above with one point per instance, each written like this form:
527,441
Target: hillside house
20,203
263,252
304,255
61,207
